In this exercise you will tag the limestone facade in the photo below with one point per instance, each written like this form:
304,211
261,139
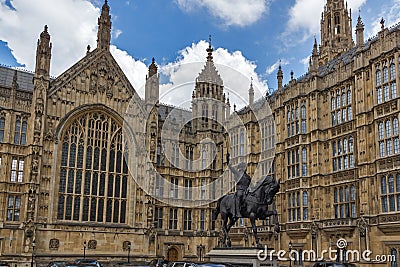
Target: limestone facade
71,183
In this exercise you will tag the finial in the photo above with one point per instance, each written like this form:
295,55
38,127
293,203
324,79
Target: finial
106,2
291,74
88,49
45,28
382,23
209,49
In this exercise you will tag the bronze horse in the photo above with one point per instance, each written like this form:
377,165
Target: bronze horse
255,207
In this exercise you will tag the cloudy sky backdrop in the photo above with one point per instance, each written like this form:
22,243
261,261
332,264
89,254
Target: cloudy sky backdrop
250,37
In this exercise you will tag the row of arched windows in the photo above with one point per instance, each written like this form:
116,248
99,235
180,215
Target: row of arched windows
341,106
343,154
298,206
388,135
385,76
344,199
390,192
294,120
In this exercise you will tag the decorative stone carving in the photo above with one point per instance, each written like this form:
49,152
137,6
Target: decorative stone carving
93,84
314,230
54,244
362,226
92,244
125,245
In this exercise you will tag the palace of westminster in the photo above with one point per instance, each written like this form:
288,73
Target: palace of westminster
66,188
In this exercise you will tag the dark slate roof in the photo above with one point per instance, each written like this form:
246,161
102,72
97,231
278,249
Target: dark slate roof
256,106
180,114
24,78
332,65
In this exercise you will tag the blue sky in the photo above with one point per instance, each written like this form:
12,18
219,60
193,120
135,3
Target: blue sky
251,36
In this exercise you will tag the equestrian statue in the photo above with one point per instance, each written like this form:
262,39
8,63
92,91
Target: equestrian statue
245,203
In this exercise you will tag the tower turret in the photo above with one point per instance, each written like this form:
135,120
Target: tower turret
360,32
43,55
152,87
251,94
208,98
279,76
336,30
104,31
314,57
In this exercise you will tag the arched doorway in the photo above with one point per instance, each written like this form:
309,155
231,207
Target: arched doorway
173,254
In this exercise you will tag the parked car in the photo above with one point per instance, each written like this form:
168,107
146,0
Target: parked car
57,264
158,263
88,262
329,264
182,264
215,264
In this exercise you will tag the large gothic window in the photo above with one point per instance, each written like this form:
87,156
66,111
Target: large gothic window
93,174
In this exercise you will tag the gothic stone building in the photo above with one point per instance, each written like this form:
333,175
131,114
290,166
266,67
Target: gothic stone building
67,185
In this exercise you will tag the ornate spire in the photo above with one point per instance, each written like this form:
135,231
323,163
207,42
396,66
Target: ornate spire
251,93
279,76
360,32
209,73
43,54
209,50
104,31
152,68
315,47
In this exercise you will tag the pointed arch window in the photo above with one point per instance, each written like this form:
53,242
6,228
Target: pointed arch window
20,131
378,77
203,159
388,137
241,142
2,126
93,179
304,162
303,118
390,192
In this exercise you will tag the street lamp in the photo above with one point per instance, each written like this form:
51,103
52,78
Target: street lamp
33,252
201,250
84,249
290,253
129,251
168,247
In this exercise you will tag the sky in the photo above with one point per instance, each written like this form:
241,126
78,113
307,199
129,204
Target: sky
250,38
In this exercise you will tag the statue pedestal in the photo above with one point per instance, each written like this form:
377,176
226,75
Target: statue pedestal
241,256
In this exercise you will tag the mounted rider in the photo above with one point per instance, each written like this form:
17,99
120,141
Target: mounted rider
243,181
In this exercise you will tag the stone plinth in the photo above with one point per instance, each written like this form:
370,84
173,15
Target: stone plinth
240,256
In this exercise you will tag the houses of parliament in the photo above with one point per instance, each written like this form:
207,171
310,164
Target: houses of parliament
72,183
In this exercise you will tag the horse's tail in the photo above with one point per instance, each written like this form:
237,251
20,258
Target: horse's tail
217,210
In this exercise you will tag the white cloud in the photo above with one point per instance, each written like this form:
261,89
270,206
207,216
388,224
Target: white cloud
70,31
135,70
390,13
235,70
231,12
305,17
271,69
117,33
